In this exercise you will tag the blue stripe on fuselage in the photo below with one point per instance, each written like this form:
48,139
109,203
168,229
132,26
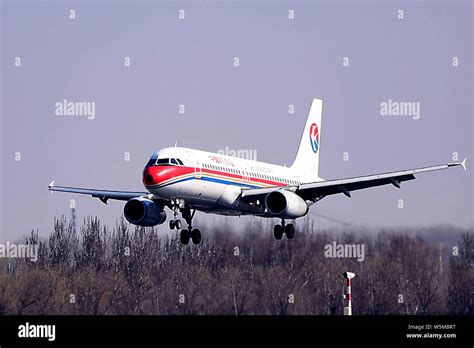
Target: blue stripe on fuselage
226,182
219,181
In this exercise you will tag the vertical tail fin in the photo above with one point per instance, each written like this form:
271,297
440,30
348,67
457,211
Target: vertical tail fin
307,158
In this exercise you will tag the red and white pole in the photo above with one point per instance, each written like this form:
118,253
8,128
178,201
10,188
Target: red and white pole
348,293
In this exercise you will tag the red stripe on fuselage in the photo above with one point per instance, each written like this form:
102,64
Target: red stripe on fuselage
154,175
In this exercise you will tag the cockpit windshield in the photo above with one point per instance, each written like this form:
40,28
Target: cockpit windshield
163,162
154,161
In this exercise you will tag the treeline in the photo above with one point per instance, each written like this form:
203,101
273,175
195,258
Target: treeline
132,270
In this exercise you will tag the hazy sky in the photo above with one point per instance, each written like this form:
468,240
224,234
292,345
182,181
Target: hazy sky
190,62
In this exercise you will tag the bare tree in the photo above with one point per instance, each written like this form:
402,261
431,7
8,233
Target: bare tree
132,270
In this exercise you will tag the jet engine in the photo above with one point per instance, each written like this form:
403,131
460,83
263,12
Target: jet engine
143,212
285,204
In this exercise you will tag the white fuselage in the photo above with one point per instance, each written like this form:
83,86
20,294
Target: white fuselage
213,182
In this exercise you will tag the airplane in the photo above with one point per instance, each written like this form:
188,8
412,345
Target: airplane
187,180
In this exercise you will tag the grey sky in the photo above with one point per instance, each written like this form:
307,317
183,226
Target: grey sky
190,62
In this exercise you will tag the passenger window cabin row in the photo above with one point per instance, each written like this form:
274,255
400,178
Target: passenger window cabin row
251,174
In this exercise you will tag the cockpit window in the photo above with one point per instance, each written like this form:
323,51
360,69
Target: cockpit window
152,160
163,161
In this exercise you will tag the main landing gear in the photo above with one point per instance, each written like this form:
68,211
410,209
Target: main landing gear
288,230
189,233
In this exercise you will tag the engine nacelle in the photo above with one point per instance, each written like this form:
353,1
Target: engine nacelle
143,212
285,204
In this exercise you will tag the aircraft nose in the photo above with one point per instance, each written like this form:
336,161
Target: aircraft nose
150,176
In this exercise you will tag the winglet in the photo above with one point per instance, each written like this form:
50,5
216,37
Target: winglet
50,186
462,164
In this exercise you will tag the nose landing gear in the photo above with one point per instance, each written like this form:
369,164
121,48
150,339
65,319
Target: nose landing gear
175,224
175,205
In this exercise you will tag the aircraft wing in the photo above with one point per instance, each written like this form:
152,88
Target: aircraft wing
318,190
103,195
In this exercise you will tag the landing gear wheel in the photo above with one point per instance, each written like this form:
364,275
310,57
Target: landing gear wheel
196,236
184,237
278,232
175,224
290,231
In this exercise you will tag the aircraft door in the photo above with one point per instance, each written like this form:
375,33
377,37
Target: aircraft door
197,170
246,176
